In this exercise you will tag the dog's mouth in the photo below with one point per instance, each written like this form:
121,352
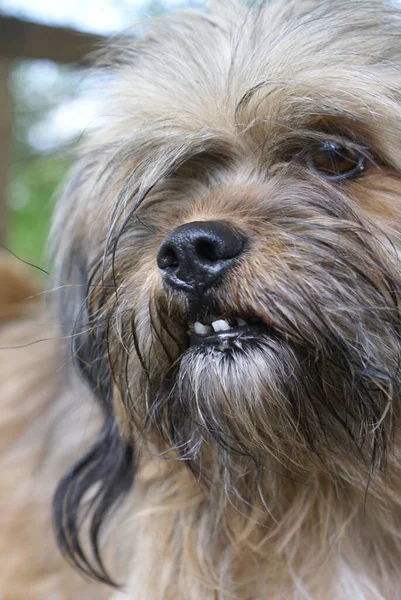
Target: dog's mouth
225,331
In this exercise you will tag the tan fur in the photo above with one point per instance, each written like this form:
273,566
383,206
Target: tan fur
307,524
18,288
42,428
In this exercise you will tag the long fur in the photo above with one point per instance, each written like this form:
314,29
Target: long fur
270,468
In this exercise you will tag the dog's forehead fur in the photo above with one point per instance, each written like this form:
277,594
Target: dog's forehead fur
279,64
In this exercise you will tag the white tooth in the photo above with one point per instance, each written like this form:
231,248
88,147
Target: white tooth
241,322
201,329
220,325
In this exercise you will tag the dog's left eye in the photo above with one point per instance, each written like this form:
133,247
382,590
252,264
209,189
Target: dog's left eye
336,162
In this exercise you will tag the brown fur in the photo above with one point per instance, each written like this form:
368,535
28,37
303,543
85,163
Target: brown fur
18,288
267,473
42,429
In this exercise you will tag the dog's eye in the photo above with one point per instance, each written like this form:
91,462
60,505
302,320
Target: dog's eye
336,162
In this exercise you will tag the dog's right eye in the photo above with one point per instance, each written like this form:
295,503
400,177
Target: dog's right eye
336,162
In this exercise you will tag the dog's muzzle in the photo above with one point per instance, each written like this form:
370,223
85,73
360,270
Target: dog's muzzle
197,256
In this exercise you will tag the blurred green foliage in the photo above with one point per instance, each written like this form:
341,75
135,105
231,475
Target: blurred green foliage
38,88
32,190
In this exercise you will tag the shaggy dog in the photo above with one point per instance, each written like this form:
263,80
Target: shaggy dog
227,250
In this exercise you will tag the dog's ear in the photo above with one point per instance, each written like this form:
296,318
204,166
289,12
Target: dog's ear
97,482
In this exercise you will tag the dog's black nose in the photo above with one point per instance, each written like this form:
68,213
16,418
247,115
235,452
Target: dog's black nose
195,256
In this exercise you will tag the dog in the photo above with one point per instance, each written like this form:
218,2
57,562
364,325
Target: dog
227,252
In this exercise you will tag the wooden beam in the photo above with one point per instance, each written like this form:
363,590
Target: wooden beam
30,40
6,141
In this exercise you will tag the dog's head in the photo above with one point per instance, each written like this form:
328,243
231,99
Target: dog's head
233,233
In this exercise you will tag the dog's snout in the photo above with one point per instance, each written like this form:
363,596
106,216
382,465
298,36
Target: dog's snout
197,255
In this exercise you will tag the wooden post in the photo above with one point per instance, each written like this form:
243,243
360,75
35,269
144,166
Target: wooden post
31,40
6,140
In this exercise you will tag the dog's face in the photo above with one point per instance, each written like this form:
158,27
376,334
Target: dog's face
235,228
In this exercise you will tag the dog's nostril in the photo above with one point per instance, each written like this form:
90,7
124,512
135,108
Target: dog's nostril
205,249
168,258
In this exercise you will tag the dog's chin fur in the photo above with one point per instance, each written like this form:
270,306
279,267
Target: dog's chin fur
267,466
